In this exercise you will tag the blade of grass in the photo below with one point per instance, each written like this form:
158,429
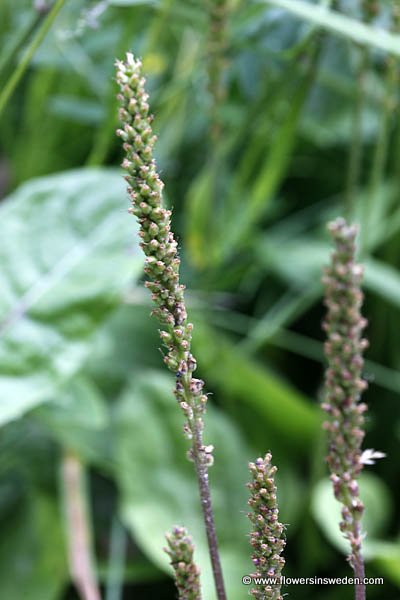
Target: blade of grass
381,148
274,166
19,40
288,308
286,410
116,566
384,377
341,25
356,144
19,72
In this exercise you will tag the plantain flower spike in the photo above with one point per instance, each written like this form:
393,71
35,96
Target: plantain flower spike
187,575
267,538
344,385
158,243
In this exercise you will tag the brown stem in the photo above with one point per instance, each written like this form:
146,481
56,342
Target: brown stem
206,507
359,573
78,531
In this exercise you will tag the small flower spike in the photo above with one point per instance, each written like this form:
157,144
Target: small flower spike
267,538
344,385
187,574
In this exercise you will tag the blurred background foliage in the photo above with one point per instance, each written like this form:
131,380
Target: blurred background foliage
271,117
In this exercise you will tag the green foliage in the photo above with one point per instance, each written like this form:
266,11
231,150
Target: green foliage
32,551
378,510
80,364
160,489
66,258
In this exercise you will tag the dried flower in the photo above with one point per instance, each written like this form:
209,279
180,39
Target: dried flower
369,456
267,537
187,574
343,382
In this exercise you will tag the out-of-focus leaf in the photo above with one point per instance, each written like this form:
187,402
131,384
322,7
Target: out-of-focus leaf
78,418
386,556
200,205
32,558
67,252
127,343
280,315
134,2
240,378
300,263
80,110
382,376
255,196
78,405
341,25
157,483
378,508
383,280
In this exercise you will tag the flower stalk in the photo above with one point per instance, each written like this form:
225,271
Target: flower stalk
344,385
267,537
187,574
162,268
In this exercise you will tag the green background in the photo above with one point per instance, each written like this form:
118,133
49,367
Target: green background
260,110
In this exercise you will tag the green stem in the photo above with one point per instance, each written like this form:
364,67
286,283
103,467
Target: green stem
381,150
116,566
356,147
19,72
21,37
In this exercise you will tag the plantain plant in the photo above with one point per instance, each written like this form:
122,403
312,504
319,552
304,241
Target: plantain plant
344,384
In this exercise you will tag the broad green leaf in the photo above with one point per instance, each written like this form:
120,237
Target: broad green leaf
240,378
341,25
79,404
68,250
127,343
78,418
33,564
157,484
326,510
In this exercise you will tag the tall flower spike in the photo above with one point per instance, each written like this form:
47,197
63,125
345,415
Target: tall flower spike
162,267
344,385
187,575
267,537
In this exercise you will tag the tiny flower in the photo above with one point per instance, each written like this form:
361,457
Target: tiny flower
369,456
